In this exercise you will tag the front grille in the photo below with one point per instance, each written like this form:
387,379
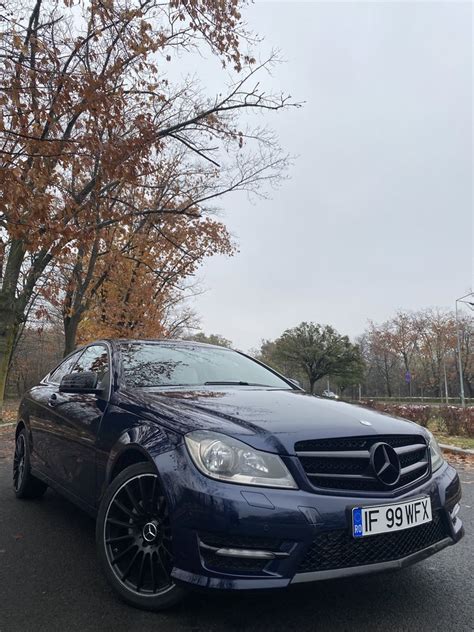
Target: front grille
344,464
338,549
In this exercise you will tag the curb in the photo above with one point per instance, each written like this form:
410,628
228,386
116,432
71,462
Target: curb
10,423
454,449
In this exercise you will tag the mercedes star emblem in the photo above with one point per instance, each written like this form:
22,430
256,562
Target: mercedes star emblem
385,463
150,531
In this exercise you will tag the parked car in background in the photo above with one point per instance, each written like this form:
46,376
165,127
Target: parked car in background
330,394
207,469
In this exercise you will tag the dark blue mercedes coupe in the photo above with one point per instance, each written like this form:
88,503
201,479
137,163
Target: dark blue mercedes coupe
207,469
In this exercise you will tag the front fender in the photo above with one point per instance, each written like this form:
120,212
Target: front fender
144,437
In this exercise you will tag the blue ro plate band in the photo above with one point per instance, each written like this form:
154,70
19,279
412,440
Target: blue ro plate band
357,522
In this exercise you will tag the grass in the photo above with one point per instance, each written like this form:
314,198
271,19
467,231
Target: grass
461,442
436,425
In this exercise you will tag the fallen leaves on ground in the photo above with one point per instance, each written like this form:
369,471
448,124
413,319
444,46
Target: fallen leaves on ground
10,411
7,443
457,460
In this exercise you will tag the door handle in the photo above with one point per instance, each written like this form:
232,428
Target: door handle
53,400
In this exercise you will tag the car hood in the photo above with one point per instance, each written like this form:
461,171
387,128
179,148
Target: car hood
267,419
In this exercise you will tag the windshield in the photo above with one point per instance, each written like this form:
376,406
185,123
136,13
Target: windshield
161,364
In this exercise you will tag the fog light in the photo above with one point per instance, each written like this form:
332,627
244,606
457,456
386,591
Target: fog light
454,511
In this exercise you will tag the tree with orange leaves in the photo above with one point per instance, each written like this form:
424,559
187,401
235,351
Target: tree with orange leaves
88,116
128,289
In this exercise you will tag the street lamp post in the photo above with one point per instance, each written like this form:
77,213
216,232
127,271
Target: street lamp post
461,377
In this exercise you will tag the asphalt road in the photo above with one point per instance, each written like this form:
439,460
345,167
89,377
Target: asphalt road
49,580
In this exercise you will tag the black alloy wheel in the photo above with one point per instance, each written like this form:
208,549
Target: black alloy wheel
19,459
25,484
135,541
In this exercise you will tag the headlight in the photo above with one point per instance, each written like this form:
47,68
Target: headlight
436,455
227,459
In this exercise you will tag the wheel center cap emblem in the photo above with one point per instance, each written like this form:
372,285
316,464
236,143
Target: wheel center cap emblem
385,464
150,531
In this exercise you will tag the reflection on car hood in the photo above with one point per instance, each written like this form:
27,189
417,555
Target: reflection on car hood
264,418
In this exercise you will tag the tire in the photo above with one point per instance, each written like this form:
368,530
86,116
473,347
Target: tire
25,484
134,540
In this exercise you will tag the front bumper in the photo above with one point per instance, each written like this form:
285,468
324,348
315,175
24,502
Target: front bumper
223,534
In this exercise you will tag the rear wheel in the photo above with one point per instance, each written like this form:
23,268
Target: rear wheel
134,540
24,483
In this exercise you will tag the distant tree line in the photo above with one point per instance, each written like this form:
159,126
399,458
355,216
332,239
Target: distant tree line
411,354
415,354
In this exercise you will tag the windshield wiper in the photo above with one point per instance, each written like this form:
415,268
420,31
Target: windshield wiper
239,383
166,385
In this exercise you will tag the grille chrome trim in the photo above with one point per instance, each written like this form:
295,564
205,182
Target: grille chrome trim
344,464
414,467
342,454
406,449
357,454
356,477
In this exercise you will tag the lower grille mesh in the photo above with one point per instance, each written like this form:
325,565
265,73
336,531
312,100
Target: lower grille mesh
338,549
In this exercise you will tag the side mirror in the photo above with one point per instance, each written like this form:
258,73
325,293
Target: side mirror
295,382
85,382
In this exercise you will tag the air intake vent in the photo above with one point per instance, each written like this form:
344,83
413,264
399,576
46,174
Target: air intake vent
338,549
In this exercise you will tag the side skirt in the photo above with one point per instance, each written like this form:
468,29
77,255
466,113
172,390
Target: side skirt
92,511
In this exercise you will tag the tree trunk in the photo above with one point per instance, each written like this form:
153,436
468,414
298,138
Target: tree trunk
11,311
8,332
76,302
311,386
387,378
71,325
470,388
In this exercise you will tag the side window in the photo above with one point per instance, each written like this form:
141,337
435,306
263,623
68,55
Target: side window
64,368
95,358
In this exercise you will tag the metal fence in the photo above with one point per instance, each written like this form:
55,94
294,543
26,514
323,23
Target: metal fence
440,401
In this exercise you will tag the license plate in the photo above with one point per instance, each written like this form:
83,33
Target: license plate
393,517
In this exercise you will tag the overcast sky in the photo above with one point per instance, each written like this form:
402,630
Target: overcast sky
377,212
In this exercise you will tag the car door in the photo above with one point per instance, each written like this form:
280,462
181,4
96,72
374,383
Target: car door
45,446
76,418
